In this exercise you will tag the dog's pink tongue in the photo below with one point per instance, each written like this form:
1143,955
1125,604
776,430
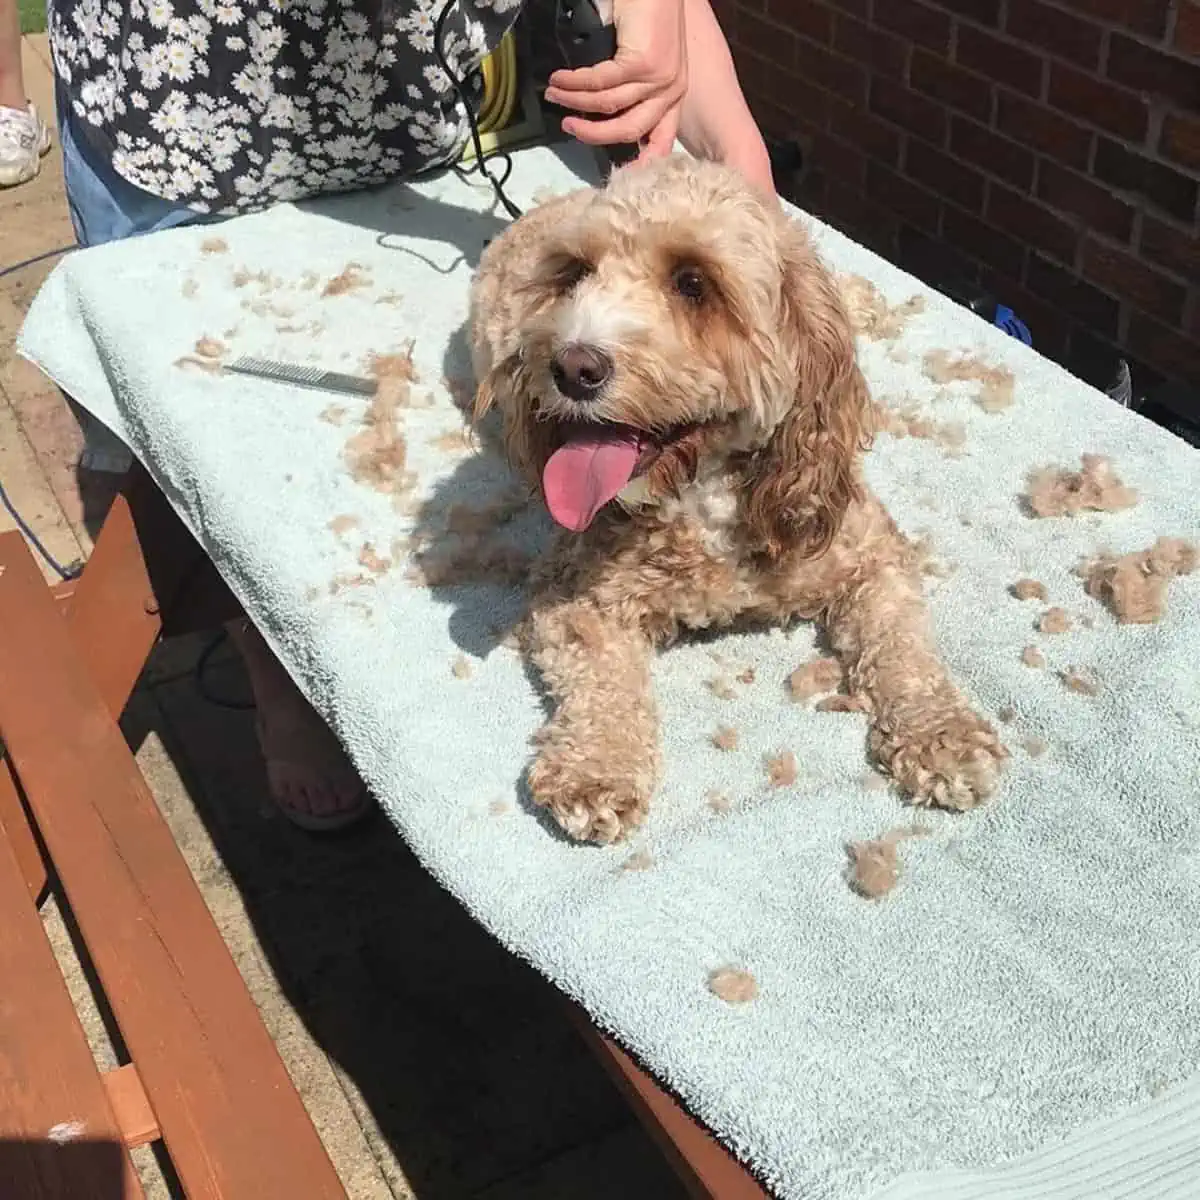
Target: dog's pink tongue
584,475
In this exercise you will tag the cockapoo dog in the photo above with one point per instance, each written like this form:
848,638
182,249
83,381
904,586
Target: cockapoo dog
676,373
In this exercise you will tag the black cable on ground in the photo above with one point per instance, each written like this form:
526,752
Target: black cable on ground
62,572
201,667
37,258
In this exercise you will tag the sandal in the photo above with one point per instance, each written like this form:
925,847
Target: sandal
289,781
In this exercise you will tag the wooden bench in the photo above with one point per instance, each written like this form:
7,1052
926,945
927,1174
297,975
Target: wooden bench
202,1075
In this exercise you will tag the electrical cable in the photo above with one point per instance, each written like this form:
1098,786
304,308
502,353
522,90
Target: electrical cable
64,573
481,159
37,258
499,87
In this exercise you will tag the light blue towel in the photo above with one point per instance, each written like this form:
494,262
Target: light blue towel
1023,1009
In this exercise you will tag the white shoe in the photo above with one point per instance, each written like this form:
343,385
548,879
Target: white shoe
24,139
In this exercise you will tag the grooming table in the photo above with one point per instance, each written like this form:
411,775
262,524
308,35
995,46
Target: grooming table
1020,1008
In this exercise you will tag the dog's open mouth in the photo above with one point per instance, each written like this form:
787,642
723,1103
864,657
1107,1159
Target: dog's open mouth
593,464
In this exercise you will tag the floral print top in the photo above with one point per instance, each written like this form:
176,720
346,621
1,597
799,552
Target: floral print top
228,106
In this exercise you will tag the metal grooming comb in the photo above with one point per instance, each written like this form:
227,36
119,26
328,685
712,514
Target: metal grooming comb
309,377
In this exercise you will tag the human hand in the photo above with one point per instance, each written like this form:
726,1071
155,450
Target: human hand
635,97
705,108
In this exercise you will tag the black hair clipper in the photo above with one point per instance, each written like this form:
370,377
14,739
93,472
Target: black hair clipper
586,36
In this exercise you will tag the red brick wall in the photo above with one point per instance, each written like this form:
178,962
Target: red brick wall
1049,151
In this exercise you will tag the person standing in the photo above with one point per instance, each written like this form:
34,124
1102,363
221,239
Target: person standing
24,138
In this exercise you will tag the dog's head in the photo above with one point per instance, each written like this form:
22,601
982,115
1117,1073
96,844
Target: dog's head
672,316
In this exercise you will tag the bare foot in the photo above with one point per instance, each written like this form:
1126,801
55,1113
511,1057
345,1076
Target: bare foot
310,778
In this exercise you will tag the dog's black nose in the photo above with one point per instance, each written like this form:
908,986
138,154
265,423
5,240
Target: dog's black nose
580,372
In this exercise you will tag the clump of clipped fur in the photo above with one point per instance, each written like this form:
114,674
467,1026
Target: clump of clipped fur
995,383
377,454
814,678
782,770
1057,492
875,865
1134,586
870,314
725,738
733,985
908,422
350,279
1029,589
1081,680
1054,620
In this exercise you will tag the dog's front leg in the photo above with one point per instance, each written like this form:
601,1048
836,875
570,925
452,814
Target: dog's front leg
924,732
598,757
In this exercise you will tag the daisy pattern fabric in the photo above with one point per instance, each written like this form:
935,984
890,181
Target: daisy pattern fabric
229,106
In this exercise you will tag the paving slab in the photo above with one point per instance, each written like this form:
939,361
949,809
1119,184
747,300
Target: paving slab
29,492
38,437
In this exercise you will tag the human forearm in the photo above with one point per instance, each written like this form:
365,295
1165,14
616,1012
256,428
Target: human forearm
716,121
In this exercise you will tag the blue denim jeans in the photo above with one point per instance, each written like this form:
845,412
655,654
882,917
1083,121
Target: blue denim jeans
104,206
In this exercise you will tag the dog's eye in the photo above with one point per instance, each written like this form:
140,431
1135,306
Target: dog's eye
690,283
571,272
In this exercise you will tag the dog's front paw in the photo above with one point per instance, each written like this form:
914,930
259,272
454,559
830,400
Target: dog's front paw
946,756
593,797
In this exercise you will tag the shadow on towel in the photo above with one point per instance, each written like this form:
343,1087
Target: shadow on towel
399,215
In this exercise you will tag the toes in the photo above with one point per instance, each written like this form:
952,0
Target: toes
288,787
601,824
333,797
307,792
958,769
597,809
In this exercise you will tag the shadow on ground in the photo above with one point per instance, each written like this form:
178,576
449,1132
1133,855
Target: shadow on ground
463,1056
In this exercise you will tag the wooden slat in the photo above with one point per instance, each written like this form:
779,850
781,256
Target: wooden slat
231,1119
58,1135
63,592
146,576
706,1168
112,611
131,1106
113,614
14,826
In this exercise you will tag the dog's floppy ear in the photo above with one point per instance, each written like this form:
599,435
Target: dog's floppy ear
491,390
807,476
527,441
